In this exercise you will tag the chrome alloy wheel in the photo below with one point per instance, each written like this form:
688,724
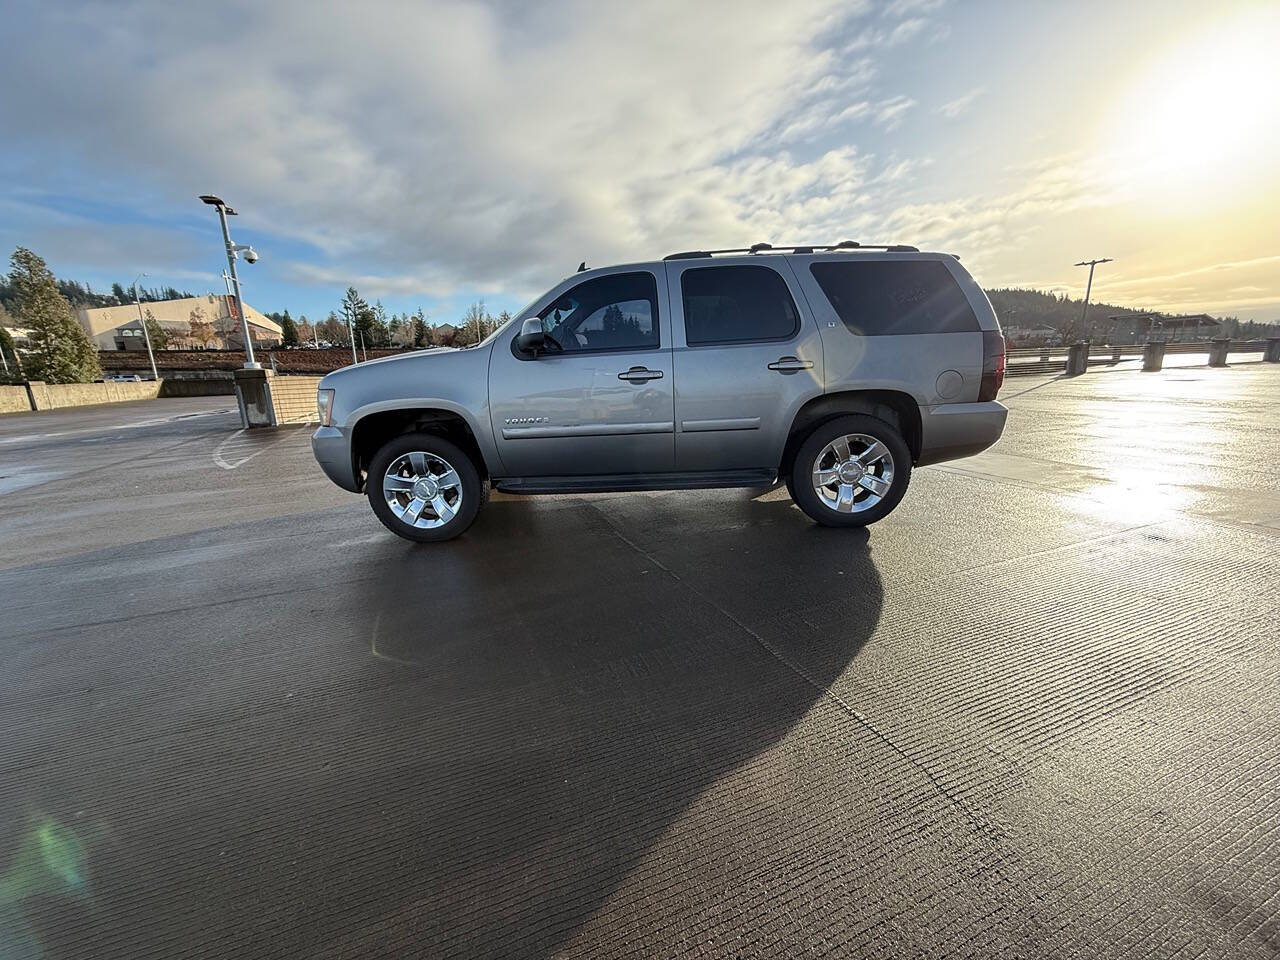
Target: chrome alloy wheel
853,473
422,489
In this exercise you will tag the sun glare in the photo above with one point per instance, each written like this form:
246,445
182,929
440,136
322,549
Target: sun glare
1200,121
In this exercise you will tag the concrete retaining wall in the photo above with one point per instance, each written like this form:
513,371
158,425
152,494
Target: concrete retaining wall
56,395
14,400
38,395
199,383
294,399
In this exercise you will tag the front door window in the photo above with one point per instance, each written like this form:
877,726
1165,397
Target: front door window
617,312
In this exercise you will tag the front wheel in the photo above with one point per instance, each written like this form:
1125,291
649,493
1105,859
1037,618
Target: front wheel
424,488
851,471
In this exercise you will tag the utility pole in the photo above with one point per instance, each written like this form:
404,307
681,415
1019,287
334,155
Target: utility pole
145,332
1084,312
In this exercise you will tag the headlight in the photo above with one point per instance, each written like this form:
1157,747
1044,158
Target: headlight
324,406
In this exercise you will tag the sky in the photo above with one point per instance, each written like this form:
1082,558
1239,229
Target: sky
434,153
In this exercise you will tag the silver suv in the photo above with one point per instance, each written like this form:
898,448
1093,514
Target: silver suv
835,369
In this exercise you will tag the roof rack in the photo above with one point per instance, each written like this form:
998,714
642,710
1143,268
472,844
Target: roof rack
795,248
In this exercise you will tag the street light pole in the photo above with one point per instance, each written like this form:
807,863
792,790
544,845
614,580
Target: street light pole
146,334
232,250
351,332
1084,312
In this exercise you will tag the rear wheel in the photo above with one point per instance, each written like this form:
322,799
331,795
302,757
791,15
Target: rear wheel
851,471
424,488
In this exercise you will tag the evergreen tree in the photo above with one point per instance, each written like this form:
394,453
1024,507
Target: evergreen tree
159,336
117,291
357,312
419,328
288,331
379,334
12,363
61,351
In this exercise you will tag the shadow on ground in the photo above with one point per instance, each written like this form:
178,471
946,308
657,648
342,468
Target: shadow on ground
564,694
458,750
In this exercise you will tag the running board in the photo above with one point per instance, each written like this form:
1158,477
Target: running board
618,483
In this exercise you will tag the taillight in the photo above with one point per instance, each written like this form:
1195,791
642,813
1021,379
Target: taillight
992,364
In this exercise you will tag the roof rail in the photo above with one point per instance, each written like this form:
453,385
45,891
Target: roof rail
794,248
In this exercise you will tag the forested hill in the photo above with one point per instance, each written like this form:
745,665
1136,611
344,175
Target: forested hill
82,295
1036,308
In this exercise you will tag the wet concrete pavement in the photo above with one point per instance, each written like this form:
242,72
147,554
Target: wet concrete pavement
1034,712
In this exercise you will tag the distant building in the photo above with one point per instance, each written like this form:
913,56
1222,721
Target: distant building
118,328
1030,333
1143,327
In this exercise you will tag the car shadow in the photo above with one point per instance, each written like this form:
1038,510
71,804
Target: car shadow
577,710
561,684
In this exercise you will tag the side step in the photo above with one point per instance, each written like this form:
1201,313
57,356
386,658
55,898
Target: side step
618,483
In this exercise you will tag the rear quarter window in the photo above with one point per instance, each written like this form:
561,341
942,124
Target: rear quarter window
880,298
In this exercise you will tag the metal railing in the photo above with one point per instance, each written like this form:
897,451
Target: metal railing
1024,361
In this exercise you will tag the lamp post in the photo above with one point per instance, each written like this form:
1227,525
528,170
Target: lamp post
1084,312
233,252
146,334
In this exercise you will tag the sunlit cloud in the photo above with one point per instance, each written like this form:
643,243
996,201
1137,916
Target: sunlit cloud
953,108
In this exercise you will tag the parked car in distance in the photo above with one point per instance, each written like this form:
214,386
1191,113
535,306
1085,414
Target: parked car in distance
833,368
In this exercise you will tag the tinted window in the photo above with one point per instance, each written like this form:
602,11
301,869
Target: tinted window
728,304
618,312
881,298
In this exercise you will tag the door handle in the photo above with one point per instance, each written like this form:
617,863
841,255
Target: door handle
640,375
790,365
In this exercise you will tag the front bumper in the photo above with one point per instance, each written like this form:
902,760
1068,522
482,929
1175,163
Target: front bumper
332,449
949,431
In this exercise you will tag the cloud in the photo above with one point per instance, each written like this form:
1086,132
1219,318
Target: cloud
953,108
891,113
905,8
1216,287
442,146
870,38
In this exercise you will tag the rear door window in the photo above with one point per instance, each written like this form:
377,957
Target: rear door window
736,305
879,298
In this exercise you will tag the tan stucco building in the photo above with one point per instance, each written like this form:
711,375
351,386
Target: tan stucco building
118,328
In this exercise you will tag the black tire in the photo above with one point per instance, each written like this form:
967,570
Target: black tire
808,499
474,490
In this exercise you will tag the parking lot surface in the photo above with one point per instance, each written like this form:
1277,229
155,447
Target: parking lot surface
1035,712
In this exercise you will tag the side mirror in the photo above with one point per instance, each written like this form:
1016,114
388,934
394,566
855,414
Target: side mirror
531,337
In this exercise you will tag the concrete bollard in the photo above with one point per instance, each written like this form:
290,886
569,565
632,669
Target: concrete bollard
1272,354
253,396
1218,352
1078,358
1153,356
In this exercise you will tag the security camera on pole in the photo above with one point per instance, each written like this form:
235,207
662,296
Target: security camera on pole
253,389
233,252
